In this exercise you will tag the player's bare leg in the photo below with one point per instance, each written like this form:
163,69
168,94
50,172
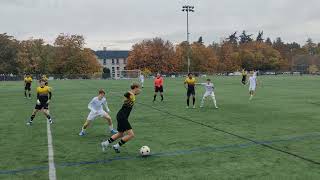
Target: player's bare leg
109,121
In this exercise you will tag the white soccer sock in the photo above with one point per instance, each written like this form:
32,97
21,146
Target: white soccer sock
117,146
214,101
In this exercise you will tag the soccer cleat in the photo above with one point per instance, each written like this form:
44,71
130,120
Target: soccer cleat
104,145
201,106
113,131
50,121
82,133
25,97
194,107
187,107
116,149
29,123
216,107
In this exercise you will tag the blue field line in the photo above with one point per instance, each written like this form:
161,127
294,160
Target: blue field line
166,154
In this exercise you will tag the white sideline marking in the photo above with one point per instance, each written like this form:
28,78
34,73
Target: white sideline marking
52,167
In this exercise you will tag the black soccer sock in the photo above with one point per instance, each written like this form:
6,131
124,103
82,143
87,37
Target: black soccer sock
25,93
161,97
29,94
32,117
154,97
122,142
48,116
188,102
110,140
194,100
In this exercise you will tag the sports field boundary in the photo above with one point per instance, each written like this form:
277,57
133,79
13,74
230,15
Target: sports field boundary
52,167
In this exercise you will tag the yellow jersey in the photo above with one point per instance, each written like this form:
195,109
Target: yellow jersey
191,82
28,80
43,93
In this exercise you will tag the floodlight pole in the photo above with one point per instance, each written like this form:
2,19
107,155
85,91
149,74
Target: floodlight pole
188,9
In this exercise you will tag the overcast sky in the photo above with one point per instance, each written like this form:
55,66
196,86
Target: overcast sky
117,24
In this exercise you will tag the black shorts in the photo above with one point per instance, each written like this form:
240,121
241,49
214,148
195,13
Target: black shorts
191,91
28,87
123,123
158,89
42,106
244,78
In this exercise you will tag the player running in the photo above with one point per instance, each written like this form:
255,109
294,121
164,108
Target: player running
244,77
252,85
27,85
158,87
43,99
209,92
123,122
190,85
96,110
141,78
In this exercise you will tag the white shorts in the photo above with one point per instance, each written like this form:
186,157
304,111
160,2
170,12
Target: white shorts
92,116
206,94
252,88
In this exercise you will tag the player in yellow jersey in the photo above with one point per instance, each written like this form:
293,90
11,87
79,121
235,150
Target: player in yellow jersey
244,77
43,99
124,126
190,85
27,85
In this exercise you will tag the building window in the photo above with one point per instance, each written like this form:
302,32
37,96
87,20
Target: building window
112,61
104,61
124,61
118,68
117,61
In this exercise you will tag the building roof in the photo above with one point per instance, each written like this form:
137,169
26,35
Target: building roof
107,54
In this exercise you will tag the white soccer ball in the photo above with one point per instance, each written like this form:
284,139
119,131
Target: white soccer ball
145,151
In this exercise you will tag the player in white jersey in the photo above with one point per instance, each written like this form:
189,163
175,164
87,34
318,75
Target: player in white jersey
252,85
209,92
96,110
141,78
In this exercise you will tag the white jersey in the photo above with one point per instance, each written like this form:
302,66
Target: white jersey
141,78
209,87
252,82
97,105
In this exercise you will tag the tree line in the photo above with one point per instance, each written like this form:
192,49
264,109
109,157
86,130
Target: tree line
234,53
66,56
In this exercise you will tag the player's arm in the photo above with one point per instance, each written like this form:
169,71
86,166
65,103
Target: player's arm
50,95
38,98
90,105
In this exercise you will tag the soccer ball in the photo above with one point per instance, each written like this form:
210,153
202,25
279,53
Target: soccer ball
145,151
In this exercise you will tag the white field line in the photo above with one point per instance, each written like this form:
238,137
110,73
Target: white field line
52,168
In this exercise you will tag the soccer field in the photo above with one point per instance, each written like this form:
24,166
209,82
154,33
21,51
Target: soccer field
274,136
